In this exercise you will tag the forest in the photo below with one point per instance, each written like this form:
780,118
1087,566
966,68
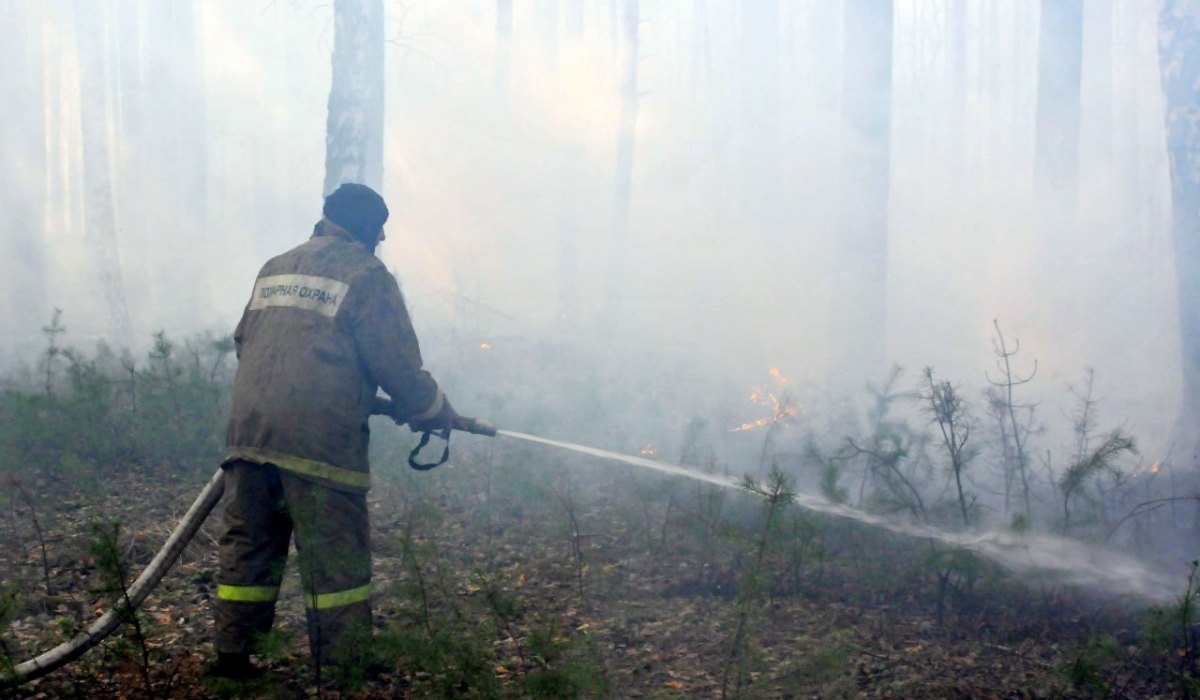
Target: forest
839,348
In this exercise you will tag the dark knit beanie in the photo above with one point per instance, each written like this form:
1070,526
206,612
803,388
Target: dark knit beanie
358,209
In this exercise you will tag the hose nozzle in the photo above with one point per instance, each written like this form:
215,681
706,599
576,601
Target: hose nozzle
384,407
479,426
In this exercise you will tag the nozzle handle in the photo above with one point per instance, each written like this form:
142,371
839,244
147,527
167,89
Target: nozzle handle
479,426
385,407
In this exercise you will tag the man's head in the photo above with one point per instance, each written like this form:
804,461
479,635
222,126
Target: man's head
360,210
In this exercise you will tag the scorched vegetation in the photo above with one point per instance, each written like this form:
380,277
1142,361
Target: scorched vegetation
520,571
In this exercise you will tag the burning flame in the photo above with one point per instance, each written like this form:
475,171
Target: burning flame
649,450
751,426
485,346
763,397
1154,469
780,414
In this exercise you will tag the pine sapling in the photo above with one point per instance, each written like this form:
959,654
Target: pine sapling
776,494
1091,466
1014,433
52,351
949,410
105,547
567,500
886,453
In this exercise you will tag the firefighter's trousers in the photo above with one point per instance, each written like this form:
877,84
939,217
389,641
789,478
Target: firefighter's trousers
263,506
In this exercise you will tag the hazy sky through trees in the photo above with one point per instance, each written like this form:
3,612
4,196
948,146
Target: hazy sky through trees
493,153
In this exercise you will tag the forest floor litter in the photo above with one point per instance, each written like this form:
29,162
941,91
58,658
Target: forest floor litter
568,578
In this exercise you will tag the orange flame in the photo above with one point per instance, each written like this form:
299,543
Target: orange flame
751,426
649,450
485,346
762,397
1156,467
789,412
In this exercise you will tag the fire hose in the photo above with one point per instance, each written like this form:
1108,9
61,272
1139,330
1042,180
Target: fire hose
187,528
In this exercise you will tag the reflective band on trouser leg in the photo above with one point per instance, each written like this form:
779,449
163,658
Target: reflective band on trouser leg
325,601
247,594
321,471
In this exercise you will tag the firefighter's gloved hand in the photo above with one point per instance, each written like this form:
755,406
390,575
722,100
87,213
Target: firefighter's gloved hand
383,406
446,420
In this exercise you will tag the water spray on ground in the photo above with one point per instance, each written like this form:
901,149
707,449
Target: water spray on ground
1075,562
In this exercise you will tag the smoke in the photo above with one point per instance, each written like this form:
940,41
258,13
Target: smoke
503,205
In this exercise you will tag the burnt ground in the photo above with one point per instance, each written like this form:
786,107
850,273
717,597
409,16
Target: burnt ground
499,576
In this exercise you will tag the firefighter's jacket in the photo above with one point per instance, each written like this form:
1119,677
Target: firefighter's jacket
325,328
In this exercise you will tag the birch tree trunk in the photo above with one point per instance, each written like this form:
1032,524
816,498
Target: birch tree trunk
354,129
861,249
100,224
1179,51
626,143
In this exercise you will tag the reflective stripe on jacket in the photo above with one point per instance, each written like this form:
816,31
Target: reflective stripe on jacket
325,328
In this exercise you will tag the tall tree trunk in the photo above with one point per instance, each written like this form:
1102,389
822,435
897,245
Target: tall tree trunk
23,290
825,41
59,208
192,112
759,47
504,28
956,113
860,303
994,135
1060,66
626,143
133,151
128,106
100,224
192,139
354,129
1179,52
1096,150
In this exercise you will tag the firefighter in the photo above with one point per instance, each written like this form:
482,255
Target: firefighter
324,329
